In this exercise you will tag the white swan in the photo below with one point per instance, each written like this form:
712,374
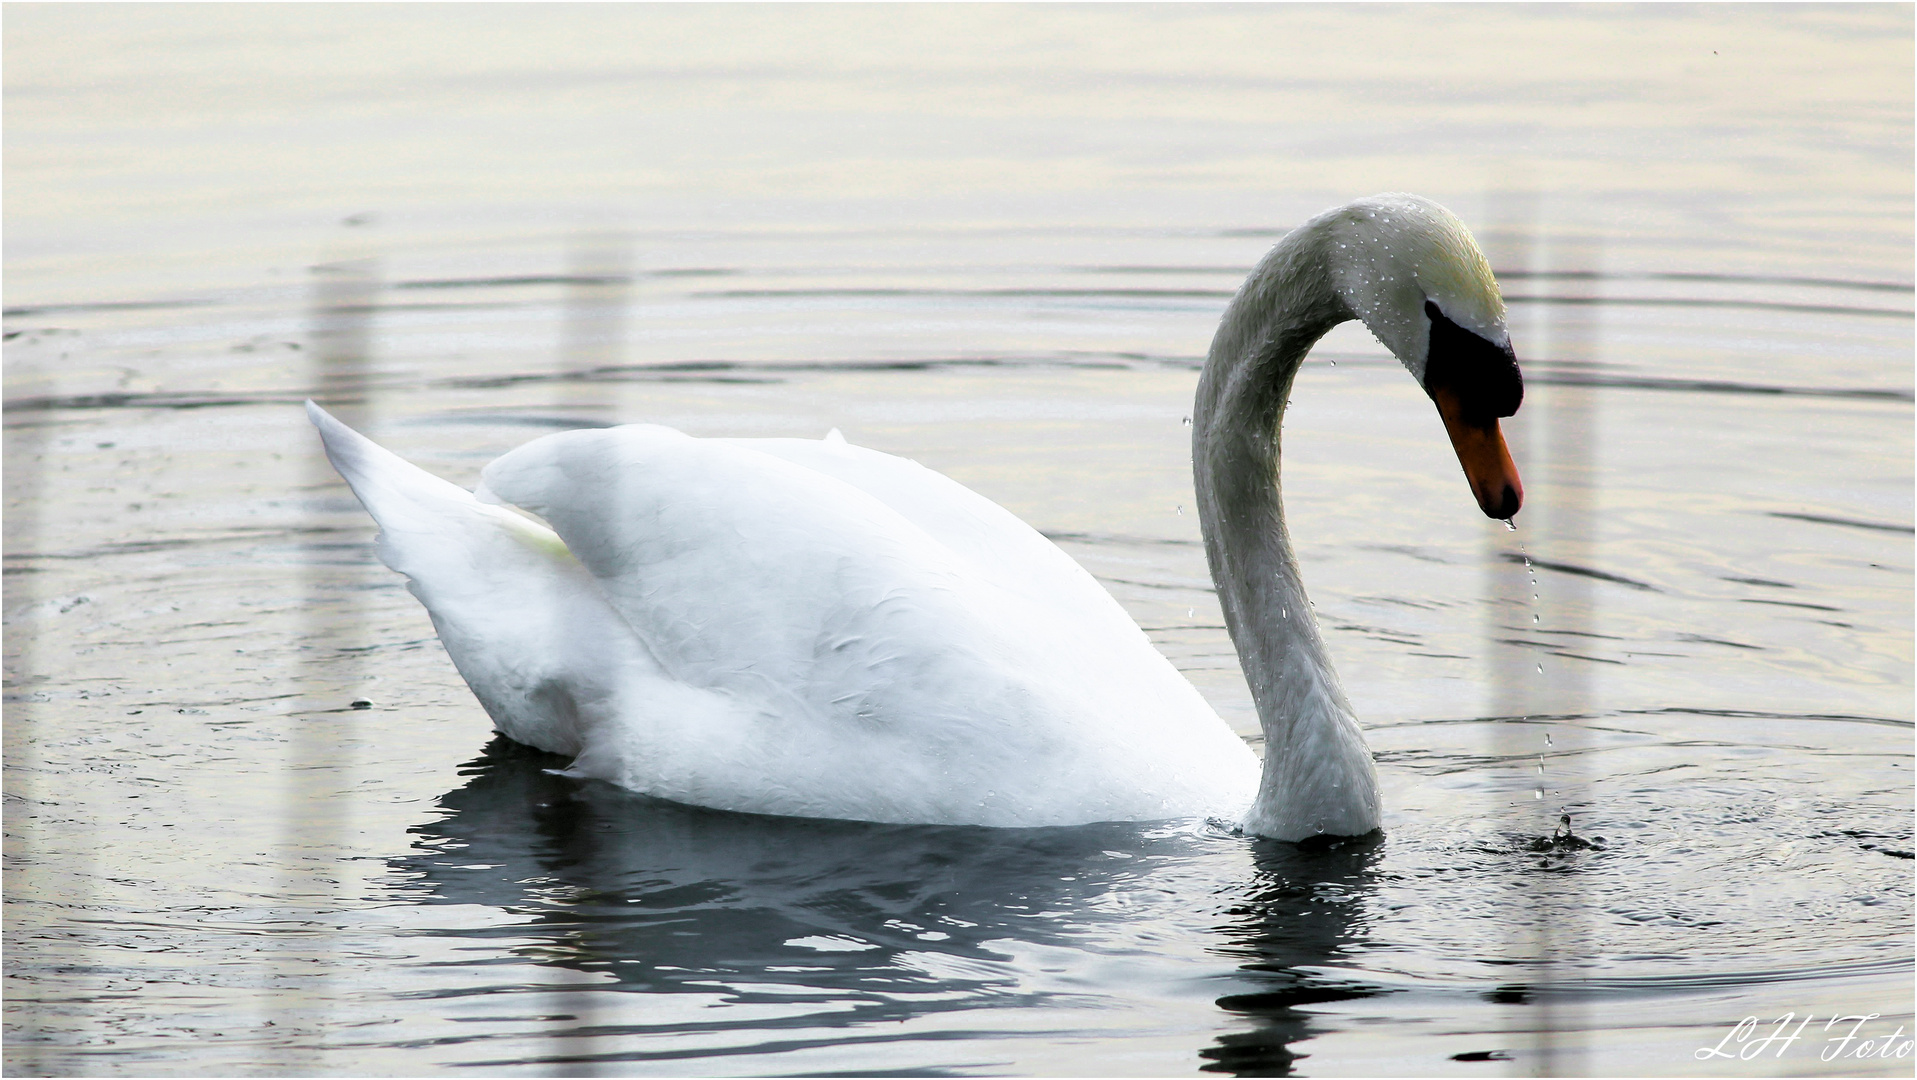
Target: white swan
784,626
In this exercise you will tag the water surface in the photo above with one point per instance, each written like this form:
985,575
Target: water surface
995,241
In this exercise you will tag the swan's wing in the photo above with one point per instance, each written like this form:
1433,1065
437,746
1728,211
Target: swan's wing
731,563
525,624
992,541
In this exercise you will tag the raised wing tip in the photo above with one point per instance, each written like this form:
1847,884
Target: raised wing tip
835,437
322,419
349,451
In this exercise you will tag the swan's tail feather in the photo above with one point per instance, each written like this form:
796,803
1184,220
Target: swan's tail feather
406,500
516,612
395,491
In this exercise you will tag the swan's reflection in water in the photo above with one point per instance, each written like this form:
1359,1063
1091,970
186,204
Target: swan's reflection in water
828,928
1301,910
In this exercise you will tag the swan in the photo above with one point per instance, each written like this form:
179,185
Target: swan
812,628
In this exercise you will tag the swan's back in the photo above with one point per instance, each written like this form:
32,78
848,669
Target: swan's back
788,627
990,540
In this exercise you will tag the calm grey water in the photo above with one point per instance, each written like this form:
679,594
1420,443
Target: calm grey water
996,241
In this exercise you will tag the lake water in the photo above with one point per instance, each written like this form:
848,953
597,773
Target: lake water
995,240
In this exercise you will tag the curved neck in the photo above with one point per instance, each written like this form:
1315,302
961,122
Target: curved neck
1317,774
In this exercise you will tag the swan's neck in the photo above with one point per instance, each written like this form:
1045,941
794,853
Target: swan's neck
1317,774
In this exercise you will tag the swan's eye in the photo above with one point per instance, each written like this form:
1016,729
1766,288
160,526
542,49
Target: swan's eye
1484,376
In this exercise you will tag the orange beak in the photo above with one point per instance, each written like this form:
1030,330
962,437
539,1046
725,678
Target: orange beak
1486,460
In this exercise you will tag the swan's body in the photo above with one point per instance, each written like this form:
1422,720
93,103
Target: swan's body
785,626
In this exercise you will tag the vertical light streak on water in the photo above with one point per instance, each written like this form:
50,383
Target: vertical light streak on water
319,752
593,338
1570,533
25,461
1541,940
598,294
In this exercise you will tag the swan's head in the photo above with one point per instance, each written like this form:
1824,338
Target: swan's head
1409,269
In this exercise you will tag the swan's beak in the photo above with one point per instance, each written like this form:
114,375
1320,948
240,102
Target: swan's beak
1486,460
